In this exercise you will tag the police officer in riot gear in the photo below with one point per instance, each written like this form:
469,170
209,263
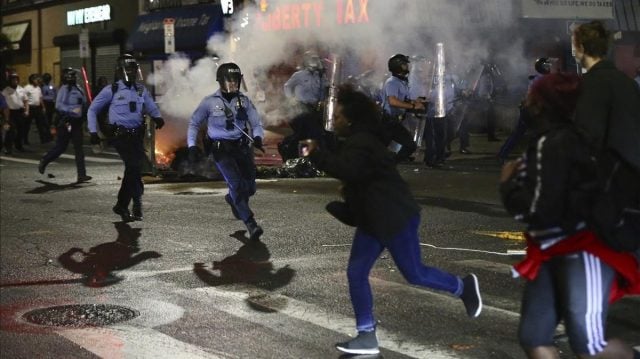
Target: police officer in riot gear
232,126
71,105
307,87
396,103
128,102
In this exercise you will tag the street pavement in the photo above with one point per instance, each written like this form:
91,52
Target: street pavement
187,283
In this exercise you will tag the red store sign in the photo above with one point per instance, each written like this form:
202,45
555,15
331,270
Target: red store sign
313,14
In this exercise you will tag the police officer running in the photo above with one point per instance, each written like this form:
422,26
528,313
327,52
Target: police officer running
307,88
226,113
396,103
71,105
128,102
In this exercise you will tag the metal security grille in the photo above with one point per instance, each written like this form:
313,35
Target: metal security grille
106,57
71,58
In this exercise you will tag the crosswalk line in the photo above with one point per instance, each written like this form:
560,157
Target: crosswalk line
234,303
128,341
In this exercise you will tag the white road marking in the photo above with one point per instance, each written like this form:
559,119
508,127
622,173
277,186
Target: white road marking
20,160
92,159
234,303
64,155
127,341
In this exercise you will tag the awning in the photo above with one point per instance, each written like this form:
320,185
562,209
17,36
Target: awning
192,28
15,33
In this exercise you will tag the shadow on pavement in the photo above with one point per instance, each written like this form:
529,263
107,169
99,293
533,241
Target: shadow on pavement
54,187
249,265
97,264
485,209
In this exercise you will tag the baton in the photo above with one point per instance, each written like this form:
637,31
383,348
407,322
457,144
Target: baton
86,84
243,132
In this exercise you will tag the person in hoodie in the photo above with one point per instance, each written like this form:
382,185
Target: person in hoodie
379,203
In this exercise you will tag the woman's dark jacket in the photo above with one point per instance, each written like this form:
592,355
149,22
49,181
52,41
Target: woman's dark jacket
553,185
375,193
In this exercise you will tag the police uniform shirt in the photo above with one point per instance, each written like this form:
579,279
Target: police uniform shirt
15,97
126,107
48,93
398,88
70,101
34,95
212,111
306,86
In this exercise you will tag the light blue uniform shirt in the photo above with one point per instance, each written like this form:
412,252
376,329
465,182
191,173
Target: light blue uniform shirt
211,111
398,88
71,101
48,92
119,106
306,87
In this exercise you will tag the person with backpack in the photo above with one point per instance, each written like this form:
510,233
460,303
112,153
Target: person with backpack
571,274
608,116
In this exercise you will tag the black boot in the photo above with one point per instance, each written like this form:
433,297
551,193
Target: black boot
136,211
255,231
123,212
41,166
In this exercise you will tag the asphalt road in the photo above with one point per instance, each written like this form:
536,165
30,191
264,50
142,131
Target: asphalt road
186,283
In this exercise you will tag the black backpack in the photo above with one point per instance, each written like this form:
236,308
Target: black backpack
615,213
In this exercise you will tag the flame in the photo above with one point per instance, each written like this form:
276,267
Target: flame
163,160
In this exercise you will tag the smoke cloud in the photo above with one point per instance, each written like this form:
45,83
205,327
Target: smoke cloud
365,33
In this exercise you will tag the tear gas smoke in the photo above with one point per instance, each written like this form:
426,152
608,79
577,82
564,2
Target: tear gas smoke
365,32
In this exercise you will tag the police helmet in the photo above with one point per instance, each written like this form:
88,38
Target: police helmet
127,68
311,61
69,76
396,62
46,77
543,66
226,73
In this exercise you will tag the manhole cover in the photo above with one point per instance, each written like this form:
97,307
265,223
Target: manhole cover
81,315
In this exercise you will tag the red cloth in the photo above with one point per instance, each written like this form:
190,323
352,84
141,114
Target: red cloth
625,264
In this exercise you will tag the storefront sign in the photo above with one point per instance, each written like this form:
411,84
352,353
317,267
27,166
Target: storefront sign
313,14
568,9
169,36
89,15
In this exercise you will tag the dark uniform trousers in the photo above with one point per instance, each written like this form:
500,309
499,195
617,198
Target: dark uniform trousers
129,145
234,160
435,132
395,131
62,142
15,117
36,113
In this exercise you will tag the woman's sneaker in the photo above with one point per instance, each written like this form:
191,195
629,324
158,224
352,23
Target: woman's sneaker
471,295
364,343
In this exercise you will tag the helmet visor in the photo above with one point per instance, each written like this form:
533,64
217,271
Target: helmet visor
230,83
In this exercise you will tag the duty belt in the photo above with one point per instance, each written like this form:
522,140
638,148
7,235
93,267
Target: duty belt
124,132
228,145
